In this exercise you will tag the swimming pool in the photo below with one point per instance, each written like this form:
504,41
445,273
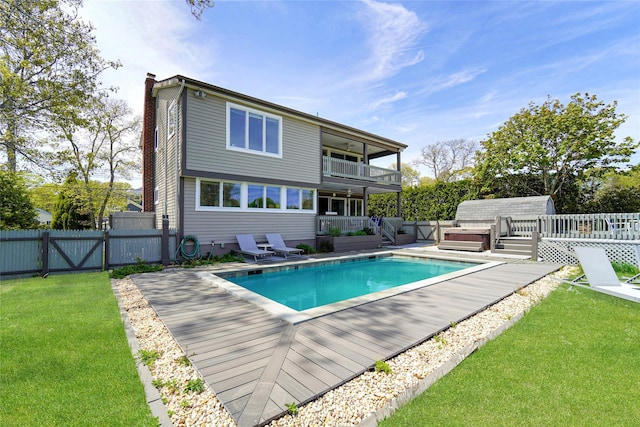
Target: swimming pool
319,285
306,290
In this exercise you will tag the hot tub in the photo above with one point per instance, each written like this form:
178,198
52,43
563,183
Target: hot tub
469,235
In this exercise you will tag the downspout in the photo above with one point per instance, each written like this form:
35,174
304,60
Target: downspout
179,213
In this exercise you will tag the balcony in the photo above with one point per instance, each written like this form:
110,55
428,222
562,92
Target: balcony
355,170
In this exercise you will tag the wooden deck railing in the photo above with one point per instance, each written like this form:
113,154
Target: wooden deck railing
387,227
616,226
355,170
344,223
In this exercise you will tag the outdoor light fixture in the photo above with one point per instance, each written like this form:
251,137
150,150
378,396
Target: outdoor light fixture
348,192
200,94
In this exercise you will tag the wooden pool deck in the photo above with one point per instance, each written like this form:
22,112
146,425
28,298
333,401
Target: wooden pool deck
256,362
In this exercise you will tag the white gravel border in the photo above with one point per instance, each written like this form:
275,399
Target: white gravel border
362,401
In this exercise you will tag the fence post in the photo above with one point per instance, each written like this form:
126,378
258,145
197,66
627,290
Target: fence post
165,240
106,250
45,254
535,237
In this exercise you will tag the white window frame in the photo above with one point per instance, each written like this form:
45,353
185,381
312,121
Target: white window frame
172,119
244,195
221,207
246,148
264,197
155,139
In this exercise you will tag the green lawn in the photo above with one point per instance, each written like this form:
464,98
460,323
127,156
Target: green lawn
64,356
573,360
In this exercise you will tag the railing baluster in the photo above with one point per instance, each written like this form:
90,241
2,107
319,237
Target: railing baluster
348,169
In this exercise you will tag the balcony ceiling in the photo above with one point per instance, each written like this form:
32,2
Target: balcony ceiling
354,145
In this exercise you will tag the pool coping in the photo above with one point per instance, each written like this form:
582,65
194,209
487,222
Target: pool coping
294,317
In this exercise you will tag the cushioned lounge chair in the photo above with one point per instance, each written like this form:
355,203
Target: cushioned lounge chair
601,276
249,247
278,245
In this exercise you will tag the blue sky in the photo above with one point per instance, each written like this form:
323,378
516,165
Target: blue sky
415,71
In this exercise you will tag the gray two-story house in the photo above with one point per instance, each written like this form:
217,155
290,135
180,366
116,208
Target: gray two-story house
218,163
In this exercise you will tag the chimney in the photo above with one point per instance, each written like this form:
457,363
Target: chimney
148,144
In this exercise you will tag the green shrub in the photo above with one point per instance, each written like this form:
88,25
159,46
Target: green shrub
140,266
335,232
183,361
148,357
625,268
306,248
382,366
196,386
292,408
357,233
325,245
212,260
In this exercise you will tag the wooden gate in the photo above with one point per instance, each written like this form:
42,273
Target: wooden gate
68,250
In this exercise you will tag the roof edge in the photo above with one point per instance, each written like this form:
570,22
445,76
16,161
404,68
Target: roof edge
178,79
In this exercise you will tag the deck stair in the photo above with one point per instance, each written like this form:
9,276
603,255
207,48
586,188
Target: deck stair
514,246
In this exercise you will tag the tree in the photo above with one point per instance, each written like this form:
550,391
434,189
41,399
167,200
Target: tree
618,193
545,149
448,160
49,71
410,176
103,142
44,195
199,6
16,209
70,211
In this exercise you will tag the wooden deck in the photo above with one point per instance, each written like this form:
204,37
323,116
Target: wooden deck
255,362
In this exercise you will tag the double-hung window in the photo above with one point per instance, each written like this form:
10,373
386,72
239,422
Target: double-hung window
253,131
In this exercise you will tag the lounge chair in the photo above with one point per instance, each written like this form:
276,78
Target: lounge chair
249,247
278,245
601,276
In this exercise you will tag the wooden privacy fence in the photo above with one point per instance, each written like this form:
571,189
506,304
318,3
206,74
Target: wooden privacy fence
30,252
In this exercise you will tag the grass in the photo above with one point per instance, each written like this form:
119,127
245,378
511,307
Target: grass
64,356
571,361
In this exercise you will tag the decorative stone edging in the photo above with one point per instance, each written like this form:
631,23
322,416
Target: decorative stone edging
362,401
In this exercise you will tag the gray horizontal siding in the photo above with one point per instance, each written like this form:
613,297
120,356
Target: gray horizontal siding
206,146
166,158
223,226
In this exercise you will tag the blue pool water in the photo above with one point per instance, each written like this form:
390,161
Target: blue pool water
310,287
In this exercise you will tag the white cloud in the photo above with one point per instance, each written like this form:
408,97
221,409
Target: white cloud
387,100
393,32
446,82
146,37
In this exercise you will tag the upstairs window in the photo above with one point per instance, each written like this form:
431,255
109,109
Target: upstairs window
172,119
253,131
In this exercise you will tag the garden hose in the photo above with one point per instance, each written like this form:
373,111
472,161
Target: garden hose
182,250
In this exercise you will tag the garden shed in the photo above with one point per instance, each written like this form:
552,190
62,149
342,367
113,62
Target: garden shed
489,209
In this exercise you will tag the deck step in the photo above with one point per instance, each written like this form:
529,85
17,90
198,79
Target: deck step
458,245
514,246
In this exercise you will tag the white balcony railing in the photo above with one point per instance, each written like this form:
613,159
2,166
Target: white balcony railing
355,170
